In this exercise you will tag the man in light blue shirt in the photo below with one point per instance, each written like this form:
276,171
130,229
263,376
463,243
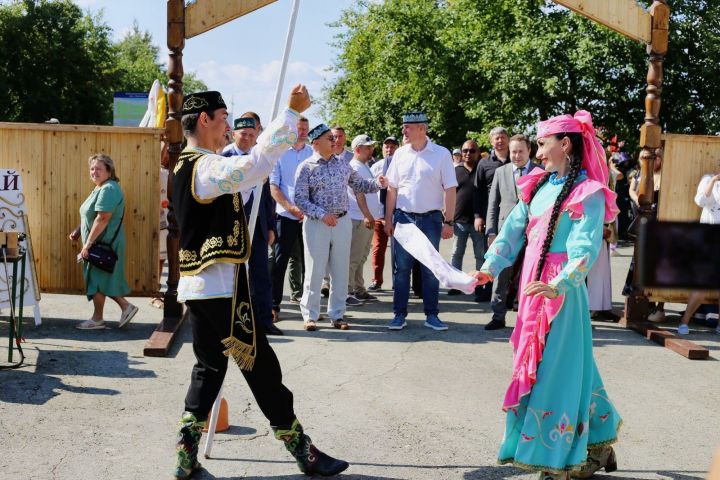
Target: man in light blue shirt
289,242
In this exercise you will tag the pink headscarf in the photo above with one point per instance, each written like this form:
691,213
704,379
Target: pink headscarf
594,159
594,162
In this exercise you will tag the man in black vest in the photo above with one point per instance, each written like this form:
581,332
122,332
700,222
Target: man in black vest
214,246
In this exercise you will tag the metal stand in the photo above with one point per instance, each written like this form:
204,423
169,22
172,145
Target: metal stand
16,322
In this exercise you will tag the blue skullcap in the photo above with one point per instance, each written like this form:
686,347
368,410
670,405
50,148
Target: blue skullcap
414,117
245,122
318,132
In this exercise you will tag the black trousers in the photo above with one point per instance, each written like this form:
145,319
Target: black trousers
260,283
210,321
289,232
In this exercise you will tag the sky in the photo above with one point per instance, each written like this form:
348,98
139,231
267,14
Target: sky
242,58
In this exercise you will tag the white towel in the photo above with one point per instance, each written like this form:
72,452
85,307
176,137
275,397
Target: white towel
414,241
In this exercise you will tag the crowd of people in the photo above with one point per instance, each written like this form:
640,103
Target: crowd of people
542,219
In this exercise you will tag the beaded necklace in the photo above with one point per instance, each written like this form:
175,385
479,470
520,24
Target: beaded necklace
554,180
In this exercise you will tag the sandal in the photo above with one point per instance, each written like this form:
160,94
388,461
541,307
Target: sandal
340,324
310,326
91,325
127,315
157,302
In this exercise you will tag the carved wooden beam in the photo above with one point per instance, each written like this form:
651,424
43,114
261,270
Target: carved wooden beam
650,138
624,16
161,339
204,15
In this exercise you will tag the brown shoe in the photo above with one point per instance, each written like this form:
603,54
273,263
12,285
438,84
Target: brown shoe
598,458
340,324
310,326
275,316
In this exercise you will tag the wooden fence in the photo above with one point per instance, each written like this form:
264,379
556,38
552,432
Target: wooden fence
687,158
52,160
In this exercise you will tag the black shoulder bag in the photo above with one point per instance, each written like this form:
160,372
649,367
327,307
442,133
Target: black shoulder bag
101,255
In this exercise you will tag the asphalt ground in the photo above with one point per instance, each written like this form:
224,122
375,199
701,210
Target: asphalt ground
414,404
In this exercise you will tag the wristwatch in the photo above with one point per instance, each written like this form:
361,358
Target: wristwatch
449,222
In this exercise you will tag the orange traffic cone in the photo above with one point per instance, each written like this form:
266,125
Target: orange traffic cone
222,422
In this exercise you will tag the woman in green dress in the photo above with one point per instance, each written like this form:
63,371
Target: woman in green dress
101,216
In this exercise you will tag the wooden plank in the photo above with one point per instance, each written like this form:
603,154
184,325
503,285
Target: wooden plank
624,16
52,160
162,338
62,127
687,349
666,338
204,15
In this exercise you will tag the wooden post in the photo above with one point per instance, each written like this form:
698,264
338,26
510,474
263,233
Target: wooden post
650,139
162,337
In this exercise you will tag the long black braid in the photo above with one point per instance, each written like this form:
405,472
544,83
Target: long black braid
575,166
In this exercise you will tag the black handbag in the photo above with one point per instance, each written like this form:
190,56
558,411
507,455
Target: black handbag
101,255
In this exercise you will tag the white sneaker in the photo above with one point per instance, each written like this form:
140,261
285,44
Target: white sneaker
683,329
657,316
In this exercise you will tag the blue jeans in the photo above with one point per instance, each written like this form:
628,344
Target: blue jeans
462,232
431,225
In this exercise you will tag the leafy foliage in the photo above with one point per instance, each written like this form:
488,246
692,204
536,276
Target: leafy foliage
56,61
475,64
139,66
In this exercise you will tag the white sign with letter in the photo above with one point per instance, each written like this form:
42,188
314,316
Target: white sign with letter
13,218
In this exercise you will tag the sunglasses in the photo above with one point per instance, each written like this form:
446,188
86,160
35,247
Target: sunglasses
468,150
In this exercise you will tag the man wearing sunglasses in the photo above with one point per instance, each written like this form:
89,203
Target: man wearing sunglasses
464,227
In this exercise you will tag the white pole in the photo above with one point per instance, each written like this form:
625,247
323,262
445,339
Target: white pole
286,56
256,202
212,425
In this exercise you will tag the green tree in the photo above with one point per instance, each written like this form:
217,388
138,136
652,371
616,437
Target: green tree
139,65
474,64
390,62
55,61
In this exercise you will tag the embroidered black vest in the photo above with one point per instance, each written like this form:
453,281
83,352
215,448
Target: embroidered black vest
211,231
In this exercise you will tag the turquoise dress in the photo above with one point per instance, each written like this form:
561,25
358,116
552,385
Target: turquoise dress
556,406
106,198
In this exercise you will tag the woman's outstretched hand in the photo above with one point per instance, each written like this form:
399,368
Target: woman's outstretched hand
540,288
481,278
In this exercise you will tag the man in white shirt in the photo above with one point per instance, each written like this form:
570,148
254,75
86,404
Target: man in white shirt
421,187
288,248
363,210
214,246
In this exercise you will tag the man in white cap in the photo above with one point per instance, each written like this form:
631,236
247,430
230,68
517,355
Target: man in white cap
457,157
363,210
422,192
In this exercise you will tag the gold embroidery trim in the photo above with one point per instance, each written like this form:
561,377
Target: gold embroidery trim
236,204
232,240
192,183
212,261
212,242
187,255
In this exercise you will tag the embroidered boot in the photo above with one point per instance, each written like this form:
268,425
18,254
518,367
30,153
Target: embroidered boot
188,440
554,476
599,457
309,459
